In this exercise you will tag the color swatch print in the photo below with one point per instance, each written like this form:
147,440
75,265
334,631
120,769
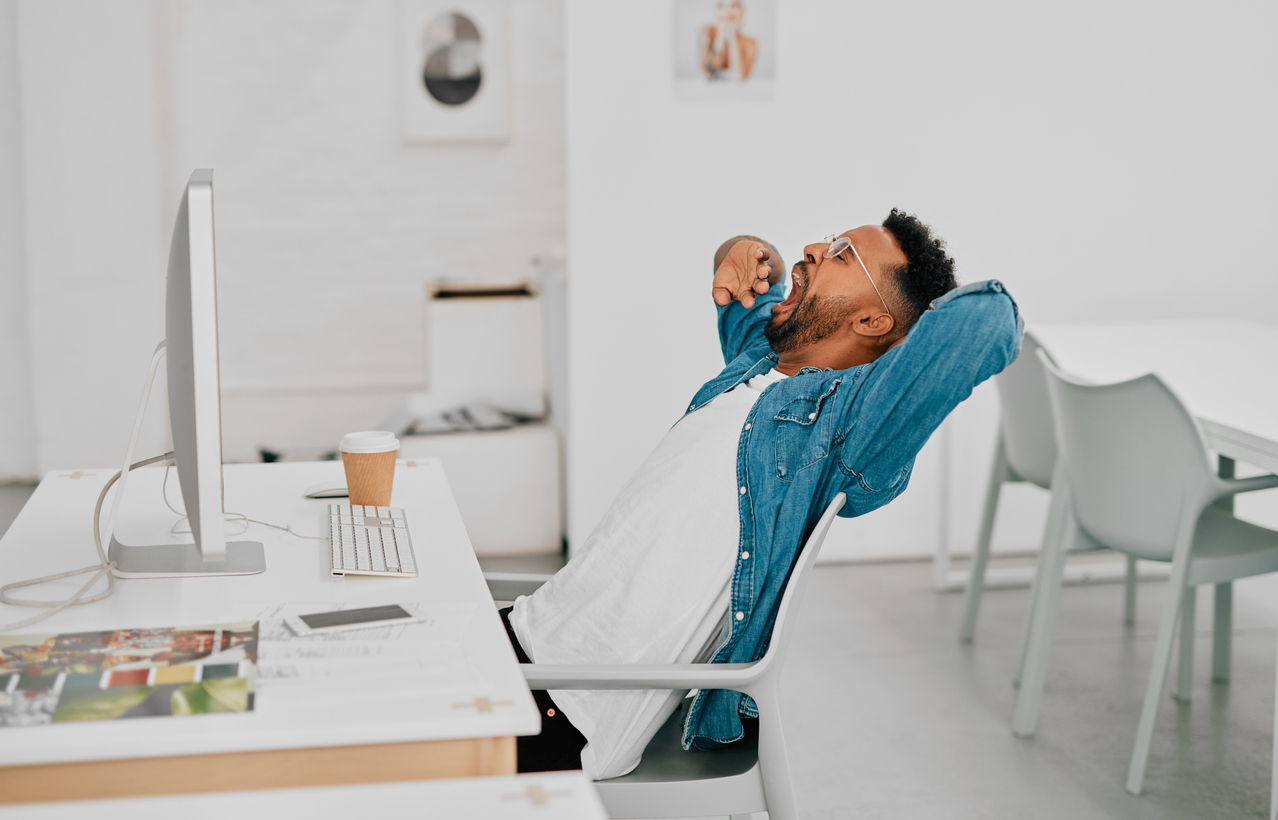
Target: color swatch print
127,673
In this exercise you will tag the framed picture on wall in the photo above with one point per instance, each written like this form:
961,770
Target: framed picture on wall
725,49
454,70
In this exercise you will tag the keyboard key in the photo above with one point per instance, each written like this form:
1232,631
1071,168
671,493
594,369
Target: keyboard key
362,557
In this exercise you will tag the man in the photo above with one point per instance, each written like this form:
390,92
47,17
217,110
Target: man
834,388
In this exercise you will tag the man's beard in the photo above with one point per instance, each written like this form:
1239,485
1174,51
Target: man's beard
813,319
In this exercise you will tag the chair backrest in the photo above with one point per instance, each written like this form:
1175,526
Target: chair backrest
1028,436
783,625
1131,451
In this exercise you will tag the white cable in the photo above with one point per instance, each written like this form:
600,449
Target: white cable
230,516
103,567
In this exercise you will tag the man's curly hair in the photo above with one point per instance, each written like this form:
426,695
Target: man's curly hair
927,274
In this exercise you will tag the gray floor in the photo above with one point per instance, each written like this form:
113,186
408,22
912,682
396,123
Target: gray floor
889,717
12,497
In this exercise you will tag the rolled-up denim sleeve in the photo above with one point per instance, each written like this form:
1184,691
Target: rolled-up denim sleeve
741,328
970,334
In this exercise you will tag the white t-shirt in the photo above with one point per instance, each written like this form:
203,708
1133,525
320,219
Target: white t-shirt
651,584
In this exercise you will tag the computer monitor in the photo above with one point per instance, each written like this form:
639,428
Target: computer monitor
195,406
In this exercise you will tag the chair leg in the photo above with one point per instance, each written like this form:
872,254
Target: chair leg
1223,622
1043,613
1052,532
1273,770
1129,599
1222,631
774,763
981,556
1163,646
1188,617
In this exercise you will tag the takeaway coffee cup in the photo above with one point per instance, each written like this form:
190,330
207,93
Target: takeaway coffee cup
369,459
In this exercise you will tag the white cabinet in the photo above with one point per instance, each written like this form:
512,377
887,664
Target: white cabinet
508,485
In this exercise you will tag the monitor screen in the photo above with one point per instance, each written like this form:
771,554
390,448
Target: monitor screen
195,413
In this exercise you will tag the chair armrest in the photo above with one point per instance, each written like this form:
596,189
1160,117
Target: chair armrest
1233,486
507,586
642,676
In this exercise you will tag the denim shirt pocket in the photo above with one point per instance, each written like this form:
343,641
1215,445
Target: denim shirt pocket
799,444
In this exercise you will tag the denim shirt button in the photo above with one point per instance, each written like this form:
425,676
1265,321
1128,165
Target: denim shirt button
743,490
740,616
811,416
748,425
745,556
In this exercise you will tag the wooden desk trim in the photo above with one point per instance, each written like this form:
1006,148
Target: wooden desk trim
271,769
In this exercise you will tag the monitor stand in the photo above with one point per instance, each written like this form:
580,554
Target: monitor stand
171,560
184,560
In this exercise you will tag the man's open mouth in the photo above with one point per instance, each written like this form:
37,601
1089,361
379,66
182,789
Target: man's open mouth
797,279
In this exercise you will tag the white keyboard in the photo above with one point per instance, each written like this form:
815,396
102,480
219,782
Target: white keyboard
370,541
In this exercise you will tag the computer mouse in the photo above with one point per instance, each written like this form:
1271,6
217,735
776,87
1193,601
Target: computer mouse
328,489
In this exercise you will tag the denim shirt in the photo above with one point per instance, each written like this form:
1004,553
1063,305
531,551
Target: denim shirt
823,432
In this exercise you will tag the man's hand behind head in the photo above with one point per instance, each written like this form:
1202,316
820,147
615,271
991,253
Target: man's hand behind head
744,267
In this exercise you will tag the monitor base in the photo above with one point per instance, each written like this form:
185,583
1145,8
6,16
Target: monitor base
184,561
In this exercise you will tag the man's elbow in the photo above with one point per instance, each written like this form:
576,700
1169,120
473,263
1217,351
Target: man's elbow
1002,331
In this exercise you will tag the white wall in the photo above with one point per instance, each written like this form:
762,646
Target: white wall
328,224
94,227
1106,160
17,417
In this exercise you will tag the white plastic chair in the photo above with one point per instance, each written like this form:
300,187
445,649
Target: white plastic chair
1025,451
1134,472
672,782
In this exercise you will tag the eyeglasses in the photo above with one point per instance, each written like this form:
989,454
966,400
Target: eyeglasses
839,244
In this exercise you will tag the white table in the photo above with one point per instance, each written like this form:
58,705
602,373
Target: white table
548,796
1223,371
457,718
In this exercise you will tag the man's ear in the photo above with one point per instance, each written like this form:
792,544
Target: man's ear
874,324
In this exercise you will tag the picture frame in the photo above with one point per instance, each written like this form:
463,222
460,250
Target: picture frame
454,71
724,49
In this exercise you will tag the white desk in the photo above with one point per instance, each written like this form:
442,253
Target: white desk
548,796
457,718
1223,371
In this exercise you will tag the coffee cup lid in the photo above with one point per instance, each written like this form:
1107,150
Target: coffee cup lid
369,441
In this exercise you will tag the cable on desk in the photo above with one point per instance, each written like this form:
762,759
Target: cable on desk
103,567
230,516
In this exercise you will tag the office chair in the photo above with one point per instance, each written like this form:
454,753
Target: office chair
672,782
1133,473
1025,451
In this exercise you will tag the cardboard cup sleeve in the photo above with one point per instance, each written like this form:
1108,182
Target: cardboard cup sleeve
369,477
